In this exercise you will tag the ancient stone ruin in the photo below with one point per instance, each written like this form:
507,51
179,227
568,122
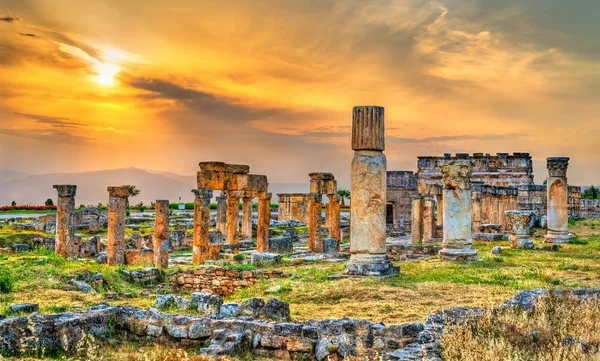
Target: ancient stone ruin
557,188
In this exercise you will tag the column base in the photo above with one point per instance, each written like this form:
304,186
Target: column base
373,265
558,237
458,254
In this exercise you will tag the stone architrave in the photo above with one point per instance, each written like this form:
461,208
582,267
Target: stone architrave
417,219
201,225
65,227
368,183
558,202
246,217
222,213
117,202
233,213
161,236
334,220
518,224
314,223
428,219
458,212
264,220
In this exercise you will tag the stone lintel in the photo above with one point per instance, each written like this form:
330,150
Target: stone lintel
224,167
248,182
321,176
118,191
65,190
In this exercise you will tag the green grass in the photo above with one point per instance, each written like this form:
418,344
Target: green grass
28,211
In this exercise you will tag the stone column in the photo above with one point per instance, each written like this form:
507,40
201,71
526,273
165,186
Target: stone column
518,227
247,217
117,201
485,204
160,241
476,197
417,219
495,218
65,231
502,201
558,202
201,225
440,210
367,208
233,213
334,219
264,221
222,212
458,212
314,223
428,219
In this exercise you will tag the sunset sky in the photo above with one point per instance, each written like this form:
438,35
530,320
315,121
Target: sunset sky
163,85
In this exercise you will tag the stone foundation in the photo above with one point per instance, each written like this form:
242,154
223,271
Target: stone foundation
409,252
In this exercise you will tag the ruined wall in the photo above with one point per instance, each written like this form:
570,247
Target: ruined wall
401,186
220,281
589,208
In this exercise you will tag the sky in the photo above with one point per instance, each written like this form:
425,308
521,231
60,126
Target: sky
163,85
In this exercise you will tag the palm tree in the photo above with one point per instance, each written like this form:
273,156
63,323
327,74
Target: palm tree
133,192
343,193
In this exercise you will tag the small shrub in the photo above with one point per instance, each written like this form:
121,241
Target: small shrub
238,257
7,282
572,222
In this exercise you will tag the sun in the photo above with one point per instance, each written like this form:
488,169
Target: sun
106,73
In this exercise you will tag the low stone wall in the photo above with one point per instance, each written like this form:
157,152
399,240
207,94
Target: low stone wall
409,252
220,281
143,276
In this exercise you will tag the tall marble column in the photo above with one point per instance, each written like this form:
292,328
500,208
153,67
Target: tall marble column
160,240
334,219
558,200
458,212
264,220
233,223
201,225
314,223
368,178
477,200
416,227
65,227
117,201
222,212
428,219
518,225
247,217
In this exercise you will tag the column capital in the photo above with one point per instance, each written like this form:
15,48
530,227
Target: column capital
264,196
457,174
235,194
557,166
118,191
65,190
202,193
368,130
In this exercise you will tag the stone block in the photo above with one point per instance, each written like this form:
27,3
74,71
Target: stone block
264,258
208,304
281,245
20,248
330,245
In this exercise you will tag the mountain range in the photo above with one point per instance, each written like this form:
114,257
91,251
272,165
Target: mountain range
24,188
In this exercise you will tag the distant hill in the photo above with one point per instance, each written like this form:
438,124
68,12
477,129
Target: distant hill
91,186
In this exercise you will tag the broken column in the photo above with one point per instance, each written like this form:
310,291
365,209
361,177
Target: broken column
458,216
428,219
557,195
160,240
233,213
247,216
368,178
201,225
334,219
222,212
314,223
417,219
518,225
65,227
264,221
117,201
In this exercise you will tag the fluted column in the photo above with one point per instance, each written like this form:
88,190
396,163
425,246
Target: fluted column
518,225
314,223
428,219
161,235
458,212
247,217
417,219
65,227
117,201
558,201
368,179
201,225
334,219
264,220
233,213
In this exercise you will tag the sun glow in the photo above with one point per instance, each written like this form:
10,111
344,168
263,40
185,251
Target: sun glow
106,73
